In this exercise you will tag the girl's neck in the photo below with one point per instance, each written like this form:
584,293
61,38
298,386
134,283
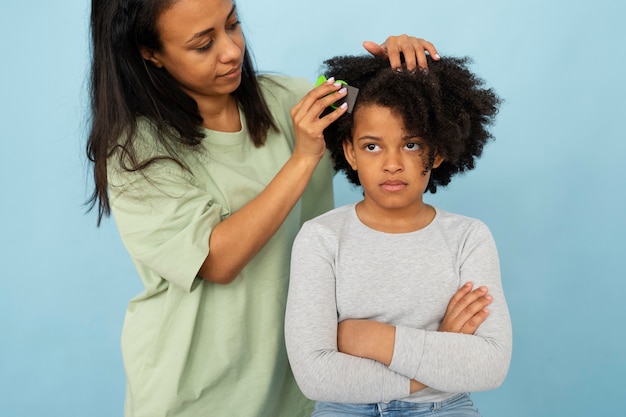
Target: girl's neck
403,220
221,114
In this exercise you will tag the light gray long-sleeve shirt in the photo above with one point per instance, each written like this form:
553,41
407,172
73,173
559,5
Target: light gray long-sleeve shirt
342,269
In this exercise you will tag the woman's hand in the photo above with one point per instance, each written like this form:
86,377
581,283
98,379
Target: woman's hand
413,49
307,123
466,310
240,237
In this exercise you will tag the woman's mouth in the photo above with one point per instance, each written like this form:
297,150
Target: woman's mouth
233,73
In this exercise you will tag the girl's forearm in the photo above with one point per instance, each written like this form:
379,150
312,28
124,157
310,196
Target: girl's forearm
372,340
367,339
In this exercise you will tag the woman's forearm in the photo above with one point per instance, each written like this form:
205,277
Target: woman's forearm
237,239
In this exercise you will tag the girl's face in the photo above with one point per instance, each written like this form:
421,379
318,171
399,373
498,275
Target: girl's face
390,162
202,46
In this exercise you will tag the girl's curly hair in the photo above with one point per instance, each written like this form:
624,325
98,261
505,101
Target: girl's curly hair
448,107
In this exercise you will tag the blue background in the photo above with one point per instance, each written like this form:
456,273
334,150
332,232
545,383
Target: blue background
551,188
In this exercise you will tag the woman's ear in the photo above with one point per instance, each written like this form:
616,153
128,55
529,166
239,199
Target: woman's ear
348,152
150,55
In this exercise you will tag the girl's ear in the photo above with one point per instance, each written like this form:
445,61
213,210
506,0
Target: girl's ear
348,152
150,55
438,161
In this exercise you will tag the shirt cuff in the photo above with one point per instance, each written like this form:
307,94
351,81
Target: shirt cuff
407,351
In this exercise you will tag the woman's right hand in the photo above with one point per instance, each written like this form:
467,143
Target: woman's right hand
238,238
466,310
307,123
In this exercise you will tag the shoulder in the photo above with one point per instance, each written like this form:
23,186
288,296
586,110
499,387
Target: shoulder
323,233
148,151
148,141
330,223
465,236
283,90
459,224
283,83
333,217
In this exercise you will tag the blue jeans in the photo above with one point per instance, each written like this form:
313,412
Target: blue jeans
460,405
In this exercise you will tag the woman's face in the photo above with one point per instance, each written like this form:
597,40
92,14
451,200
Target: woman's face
202,47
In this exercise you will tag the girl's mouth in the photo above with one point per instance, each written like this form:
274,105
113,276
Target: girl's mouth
393,185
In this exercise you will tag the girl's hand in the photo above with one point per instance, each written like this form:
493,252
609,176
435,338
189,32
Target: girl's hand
413,49
466,310
307,124
375,340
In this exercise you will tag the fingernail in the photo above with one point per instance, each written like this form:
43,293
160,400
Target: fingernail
343,105
437,56
330,80
343,90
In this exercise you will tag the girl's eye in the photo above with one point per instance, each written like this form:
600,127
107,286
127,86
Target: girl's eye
371,147
412,146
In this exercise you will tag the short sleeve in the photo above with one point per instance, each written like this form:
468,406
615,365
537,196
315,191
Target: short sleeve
165,220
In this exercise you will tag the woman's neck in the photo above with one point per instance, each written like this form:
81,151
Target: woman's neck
221,115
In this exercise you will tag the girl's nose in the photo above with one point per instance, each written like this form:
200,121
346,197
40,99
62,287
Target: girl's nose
392,163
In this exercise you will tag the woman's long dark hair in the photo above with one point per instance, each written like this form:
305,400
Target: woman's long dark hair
124,87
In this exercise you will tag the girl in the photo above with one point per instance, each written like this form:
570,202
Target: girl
197,158
384,268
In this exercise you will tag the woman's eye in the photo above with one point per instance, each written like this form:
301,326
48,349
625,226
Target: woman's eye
371,147
229,28
205,47
233,26
412,146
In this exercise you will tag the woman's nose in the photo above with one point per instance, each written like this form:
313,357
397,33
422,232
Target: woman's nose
229,49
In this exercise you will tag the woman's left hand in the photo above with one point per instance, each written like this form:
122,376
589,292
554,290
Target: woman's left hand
413,49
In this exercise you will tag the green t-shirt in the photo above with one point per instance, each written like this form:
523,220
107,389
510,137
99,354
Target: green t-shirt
190,347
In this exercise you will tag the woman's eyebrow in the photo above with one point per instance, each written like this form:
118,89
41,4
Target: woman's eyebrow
209,30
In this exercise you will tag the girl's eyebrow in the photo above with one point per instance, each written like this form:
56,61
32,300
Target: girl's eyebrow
368,137
407,138
209,30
